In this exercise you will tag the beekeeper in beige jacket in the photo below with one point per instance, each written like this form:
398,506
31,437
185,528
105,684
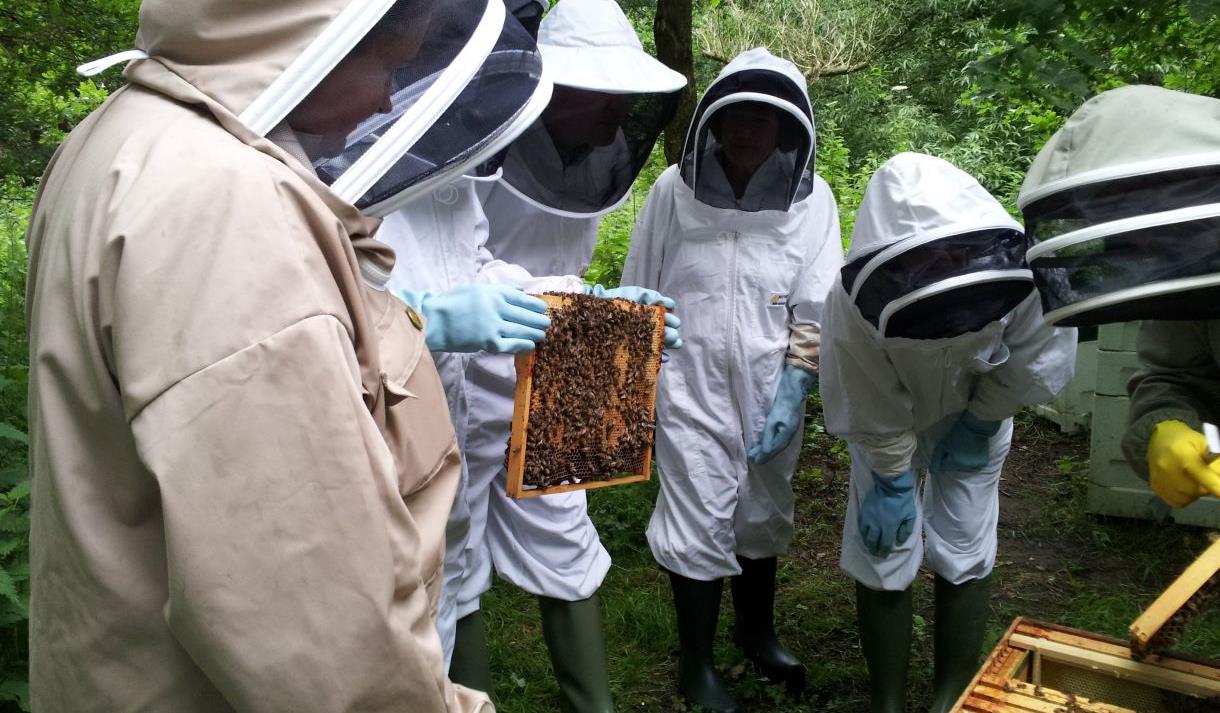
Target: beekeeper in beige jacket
241,457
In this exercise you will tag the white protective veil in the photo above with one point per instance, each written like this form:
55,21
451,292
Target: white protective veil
767,84
1122,207
481,79
611,102
933,255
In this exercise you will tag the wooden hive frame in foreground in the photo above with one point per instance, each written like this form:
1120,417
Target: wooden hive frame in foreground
1161,624
584,411
1044,668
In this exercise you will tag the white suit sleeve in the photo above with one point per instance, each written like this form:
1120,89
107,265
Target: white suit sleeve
862,397
646,256
1040,363
493,271
807,298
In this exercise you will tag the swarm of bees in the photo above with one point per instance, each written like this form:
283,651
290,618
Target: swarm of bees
591,402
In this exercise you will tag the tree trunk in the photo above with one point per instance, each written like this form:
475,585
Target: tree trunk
672,30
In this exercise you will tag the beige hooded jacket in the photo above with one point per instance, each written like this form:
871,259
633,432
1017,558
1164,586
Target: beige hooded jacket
242,461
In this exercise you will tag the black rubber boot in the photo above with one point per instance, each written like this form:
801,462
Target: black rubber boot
754,627
573,634
885,619
698,607
470,665
962,612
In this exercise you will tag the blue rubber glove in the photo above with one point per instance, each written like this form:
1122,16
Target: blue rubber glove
786,411
966,447
887,515
644,296
493,318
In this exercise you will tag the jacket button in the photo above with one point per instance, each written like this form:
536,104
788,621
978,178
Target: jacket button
416,320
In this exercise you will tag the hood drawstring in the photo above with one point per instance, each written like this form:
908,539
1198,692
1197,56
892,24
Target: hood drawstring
97,66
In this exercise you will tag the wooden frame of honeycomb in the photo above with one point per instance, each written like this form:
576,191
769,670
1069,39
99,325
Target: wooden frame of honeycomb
1162,623
584,411
1044,668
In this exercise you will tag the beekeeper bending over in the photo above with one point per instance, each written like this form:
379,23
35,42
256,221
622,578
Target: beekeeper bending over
240,453
1126,229
933,339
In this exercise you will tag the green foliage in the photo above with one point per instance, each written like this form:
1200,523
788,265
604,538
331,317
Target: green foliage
41,43
981,83
1062,51
14,476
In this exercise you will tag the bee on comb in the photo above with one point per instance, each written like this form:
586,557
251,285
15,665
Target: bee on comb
585,404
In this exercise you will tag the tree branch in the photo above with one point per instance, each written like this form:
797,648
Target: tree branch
835,71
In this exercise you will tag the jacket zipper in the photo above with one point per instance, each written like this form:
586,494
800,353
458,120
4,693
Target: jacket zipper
733,321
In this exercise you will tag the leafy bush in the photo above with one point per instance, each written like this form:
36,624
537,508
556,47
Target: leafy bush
14,475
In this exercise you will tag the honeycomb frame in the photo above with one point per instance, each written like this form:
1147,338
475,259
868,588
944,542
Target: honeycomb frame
531,404
1046,668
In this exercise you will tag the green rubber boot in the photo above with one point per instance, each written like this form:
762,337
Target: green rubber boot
962,611
885,620
470,665
573,634
754,626
698,607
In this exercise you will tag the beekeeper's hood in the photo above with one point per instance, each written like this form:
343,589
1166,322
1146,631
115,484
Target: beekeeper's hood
422,89
1122,206
933,254
611,102
782,162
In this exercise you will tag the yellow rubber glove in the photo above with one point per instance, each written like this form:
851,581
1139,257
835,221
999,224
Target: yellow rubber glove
1177,471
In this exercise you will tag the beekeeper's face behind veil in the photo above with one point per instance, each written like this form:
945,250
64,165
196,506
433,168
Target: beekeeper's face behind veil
387,98
611,102
750,145
578,118
748,134
362,84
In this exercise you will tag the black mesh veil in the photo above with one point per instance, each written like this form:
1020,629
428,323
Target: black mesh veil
581,157
1133,274
477,73
939,288
1144,246
750,145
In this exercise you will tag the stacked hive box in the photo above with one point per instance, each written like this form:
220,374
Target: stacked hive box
1072,409
1115,489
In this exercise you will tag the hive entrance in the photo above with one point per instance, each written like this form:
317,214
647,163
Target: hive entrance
584,411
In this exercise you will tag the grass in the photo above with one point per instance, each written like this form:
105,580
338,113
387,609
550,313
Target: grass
1055,563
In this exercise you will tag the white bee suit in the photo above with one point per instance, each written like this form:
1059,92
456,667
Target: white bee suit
543,215
548,546
440,240
750,285
740,280
894,398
